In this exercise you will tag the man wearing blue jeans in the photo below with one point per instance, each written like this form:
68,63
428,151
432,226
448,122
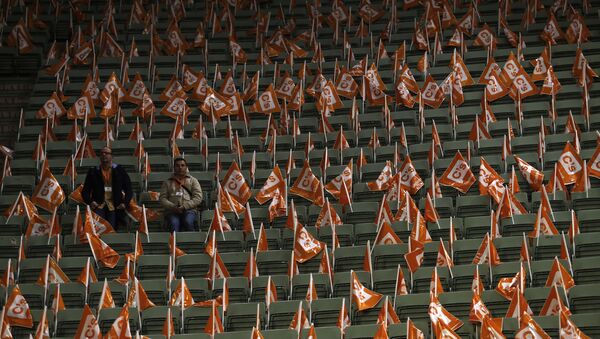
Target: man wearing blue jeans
181,195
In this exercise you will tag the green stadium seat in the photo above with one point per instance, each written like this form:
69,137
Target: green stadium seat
259,285
67,322
192,266
349,258
472,206
281,313
587,245
107,317
243,316
584,298
586,270
118,291
273,262
301,282
153,319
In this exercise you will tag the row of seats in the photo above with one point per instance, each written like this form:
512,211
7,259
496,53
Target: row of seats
241,317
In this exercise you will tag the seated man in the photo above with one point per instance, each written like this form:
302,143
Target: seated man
181,195
107,190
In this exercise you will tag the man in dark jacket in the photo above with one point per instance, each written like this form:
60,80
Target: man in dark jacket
107,190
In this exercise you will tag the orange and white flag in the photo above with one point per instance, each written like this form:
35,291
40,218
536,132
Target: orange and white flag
58,304
490,182
533,176
177,107
383,180
570,165
530,329
17,311
102,252
458,174
543,224
138,297
518,305
551,84
328,216
267,102
362,297
509,205
491,329
120,328
478,309
345,85
559,276
235,184
217,269
386,235
270,292
487,253
305,245
443,258
568,329
554,304
409,177
414,257
94,224
431,93
51,273
485,38
335,185
495,88
181,296
273,183
52,108
439,315
88,325
306,184
461,71
48,194
300,320
106,298
329,98
522,86
343,319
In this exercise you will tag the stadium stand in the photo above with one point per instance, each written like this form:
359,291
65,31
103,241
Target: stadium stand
370,169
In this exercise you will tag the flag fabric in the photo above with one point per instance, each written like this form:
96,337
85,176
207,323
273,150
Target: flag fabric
102,252
458,174
88,325
17,311
48,194
487,253
439,315
530,329
120,328
305,245
559,275
362,297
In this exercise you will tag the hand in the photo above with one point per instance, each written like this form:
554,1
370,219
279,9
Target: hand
94,205
121,206
180,209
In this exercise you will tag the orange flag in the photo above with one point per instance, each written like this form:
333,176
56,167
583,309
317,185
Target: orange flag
88,325
17,310
305,245
362,297
487,254
458,174
102,252
559,275
530,329
120,328
438,314
48,194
